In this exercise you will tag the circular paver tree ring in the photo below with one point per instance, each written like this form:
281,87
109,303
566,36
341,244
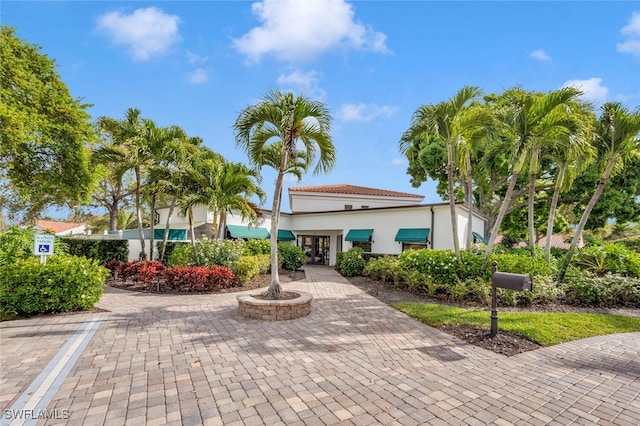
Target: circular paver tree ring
255,307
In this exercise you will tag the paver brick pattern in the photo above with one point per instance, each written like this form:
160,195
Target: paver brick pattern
193,360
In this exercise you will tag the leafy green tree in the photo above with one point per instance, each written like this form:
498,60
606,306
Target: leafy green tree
44,133
617,142
299,124
452,123
620,198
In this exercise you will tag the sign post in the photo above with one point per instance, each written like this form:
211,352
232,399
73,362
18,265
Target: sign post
43,246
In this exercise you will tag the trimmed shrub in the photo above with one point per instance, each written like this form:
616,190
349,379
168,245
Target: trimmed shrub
441,266
64,283
609,259
385,269
100,250
291,257
252,266
171,246
521,264
181,255
207,253
198,278
351,263
144,271
253,247
585,288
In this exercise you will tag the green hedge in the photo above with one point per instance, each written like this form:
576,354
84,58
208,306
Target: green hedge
588,289
251,266
291,257
64,283
351,263
101,250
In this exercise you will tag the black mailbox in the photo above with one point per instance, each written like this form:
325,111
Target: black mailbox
512,281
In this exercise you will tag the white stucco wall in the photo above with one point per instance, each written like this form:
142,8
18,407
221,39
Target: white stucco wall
314,202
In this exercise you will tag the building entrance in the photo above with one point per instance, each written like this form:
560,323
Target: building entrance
316,248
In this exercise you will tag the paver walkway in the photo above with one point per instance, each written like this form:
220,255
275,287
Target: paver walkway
191,360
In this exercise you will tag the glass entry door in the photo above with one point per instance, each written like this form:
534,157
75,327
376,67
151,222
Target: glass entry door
316,248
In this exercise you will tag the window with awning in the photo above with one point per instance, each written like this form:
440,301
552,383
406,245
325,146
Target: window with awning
285,235
244,232
479,238
412,235
359,235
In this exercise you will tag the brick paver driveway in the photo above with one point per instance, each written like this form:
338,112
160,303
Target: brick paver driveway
191,360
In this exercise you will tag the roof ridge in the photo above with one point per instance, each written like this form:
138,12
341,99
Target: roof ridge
353,189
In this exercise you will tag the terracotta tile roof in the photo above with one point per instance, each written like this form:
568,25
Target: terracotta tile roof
352,190
57,227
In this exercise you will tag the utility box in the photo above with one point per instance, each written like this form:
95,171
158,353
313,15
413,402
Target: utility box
509,281
518,282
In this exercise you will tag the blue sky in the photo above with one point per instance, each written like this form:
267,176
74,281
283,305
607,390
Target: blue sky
197,64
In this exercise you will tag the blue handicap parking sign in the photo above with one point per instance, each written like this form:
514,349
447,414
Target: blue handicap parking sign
43,248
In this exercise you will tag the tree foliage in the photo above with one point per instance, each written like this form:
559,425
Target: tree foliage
44,133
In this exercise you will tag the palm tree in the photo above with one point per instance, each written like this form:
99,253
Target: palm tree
447,121
569,159
617,140
299,124
236,185
129,146
169,176
527,121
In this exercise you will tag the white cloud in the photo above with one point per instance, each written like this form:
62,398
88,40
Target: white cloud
198,76
194,58
398,162
364,112
632,32
294,30
540,55
305,83
593,89
146,32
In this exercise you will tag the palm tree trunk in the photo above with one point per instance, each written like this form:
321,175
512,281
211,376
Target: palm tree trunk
167,225
530,216
585,216
552,213
222,223
152,226
469,205
496,228
192,232
275,289
452,201
143,254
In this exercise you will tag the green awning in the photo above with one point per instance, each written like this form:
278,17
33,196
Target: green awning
174,234
285,235
412,235
237,231
479,237
359,235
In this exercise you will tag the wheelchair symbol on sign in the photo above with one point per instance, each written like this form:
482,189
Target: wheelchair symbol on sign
43,248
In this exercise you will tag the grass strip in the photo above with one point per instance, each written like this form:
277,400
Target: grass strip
544,328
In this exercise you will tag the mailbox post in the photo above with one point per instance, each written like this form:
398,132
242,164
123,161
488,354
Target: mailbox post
507,281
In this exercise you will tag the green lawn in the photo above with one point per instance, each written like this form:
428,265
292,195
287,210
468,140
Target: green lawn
544,328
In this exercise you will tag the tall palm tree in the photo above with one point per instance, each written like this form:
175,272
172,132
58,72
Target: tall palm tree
300,124
164,147
617,140
447,121
527,121
130,146
569,160
169,176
